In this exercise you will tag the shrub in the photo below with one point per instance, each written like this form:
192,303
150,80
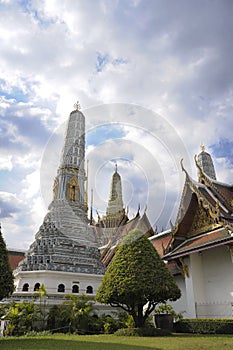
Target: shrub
37,334
205,326
109,324
141,332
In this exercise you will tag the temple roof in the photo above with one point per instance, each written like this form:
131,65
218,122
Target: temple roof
205,216
202,242
140,222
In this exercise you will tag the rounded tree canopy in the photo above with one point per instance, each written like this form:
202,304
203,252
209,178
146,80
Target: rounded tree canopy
137,275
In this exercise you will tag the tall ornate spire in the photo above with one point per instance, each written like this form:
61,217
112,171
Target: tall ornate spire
70,180
65,242
115,213
205,162
115,203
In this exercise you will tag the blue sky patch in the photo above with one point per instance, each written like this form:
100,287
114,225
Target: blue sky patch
103,133
27,7
119,61
224,149
104,59
16,94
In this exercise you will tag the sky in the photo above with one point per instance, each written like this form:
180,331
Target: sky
154,79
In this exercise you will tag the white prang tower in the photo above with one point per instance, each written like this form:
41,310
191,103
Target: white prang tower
64,256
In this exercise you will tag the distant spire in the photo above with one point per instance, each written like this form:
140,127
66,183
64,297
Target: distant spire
206,164
115,203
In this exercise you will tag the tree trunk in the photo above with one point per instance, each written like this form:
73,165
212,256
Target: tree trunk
139,319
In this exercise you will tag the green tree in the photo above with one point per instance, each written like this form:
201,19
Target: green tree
74,315
137,279
42,294
6,275
80,308
23,316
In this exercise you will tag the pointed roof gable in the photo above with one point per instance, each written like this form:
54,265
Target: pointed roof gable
205,215
141,223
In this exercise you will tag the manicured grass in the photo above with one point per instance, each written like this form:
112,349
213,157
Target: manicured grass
111,342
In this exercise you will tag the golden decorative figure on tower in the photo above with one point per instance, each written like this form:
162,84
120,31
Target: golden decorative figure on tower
203,148
77,106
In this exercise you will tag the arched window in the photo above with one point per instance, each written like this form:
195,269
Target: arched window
61,288
89,290
75,288
36,287
25,287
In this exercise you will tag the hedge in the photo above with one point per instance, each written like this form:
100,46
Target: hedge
142,332
204,326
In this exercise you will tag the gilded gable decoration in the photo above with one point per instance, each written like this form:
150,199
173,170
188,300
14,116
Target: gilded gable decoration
202,220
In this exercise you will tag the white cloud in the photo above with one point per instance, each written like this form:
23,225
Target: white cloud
6,163
174,58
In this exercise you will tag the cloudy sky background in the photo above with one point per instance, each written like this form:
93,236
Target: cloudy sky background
154,79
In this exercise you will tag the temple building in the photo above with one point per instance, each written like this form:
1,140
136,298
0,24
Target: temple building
64,256
199,247
71,252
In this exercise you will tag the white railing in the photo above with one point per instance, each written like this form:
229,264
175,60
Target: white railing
214,310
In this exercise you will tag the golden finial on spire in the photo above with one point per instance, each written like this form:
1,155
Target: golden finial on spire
77,106
203,148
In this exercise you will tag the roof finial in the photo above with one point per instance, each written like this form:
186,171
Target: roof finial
201,174
203,148
77,106
116,168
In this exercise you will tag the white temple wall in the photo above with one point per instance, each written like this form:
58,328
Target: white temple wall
218,271
197,274
218,275
208,291
180,305
52,279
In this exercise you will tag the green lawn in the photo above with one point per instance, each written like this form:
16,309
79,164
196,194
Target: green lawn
111,342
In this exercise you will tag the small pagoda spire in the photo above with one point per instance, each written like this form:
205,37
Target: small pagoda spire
115,203
205,162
